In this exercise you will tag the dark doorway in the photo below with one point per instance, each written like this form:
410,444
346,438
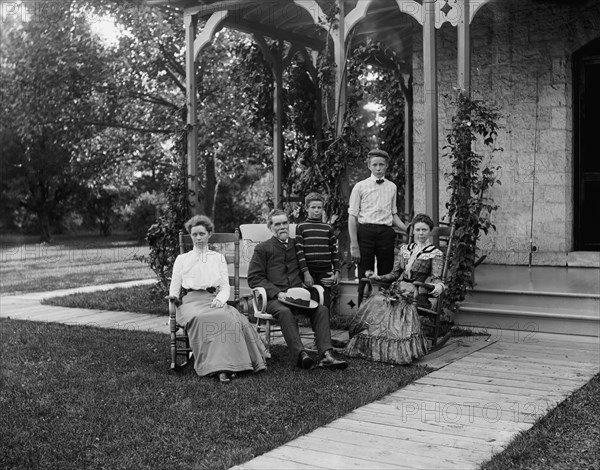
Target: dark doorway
586,115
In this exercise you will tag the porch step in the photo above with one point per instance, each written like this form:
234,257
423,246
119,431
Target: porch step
528,298
529,320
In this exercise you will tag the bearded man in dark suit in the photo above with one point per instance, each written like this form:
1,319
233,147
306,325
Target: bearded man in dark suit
274,267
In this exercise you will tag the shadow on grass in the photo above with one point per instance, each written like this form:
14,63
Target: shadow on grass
80,397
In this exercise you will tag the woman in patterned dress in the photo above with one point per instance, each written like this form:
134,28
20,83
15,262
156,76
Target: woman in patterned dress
387,326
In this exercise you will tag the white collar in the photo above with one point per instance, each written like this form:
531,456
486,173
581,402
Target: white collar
374,179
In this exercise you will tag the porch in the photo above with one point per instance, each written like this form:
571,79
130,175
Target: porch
517,301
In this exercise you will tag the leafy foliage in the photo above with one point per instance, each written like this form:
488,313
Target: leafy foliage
48,91
324,165
142,213
163,235
376,75
470,178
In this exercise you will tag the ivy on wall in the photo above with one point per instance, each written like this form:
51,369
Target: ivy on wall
470,177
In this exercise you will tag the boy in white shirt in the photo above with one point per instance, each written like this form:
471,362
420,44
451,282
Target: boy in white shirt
372,212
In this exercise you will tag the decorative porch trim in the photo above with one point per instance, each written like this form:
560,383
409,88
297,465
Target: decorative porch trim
205,10
412,9
210,28
313,8
475,6
358,13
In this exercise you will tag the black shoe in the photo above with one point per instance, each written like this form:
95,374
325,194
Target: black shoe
223,378
305,361
330,362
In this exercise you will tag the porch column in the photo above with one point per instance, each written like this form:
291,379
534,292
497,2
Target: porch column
340,73
464,48
408,149
431,111
278,127
191,23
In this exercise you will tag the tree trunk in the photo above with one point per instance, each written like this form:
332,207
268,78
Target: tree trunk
214,200
44,223
211,183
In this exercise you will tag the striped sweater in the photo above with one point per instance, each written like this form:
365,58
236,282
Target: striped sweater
316,247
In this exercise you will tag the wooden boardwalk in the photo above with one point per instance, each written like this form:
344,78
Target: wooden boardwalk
479,398
454,418
28,307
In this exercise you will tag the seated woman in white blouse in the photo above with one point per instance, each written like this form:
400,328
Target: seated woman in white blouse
221,338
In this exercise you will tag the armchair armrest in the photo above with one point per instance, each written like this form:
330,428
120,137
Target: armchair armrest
321,291
259,300
370,283
426,285
242,304
376,282
172,314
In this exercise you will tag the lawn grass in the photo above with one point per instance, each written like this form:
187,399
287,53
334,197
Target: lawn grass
80,397
136,299
69,262
565,439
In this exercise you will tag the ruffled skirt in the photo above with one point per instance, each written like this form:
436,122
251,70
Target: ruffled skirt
221,339
387,329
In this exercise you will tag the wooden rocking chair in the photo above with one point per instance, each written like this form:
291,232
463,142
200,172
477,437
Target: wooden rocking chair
222,242
442,238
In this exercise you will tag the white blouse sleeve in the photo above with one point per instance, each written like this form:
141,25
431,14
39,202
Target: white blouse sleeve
224,288
176,277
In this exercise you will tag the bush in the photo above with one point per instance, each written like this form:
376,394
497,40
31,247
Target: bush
163,234
143,212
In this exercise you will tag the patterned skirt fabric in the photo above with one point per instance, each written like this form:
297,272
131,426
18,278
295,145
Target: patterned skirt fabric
221,339
387,328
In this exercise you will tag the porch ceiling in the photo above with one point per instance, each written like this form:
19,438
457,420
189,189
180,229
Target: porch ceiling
285,20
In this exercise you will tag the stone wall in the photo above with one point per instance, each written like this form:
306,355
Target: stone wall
521,61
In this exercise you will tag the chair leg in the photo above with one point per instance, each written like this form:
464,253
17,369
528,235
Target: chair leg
265,336
190,354
173,349
268,335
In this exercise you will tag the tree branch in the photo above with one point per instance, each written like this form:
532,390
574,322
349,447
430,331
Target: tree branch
118,125
154,100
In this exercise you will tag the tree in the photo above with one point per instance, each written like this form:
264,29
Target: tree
109,116
48,92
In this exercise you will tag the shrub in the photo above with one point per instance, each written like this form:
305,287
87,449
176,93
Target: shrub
163,234
144,211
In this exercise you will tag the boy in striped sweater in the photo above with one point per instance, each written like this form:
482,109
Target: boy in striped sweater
316,248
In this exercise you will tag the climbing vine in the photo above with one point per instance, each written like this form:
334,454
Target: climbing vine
470,178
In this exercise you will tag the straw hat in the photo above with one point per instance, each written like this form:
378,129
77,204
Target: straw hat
299,297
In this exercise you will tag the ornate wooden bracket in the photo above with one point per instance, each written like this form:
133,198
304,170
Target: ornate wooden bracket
446,11
213,24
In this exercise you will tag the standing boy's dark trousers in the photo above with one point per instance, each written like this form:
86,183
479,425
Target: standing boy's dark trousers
317,277
374,241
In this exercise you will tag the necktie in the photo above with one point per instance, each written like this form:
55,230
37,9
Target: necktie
379,181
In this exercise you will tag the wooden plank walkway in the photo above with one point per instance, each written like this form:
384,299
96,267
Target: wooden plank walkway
454,418
480,396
